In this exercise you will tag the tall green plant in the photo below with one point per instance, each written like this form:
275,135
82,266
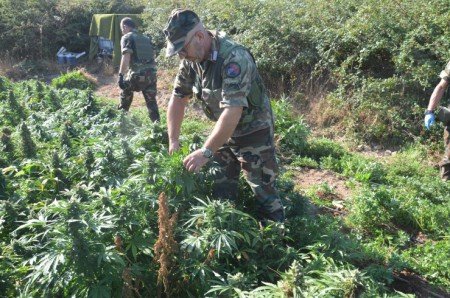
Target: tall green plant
16,111
3,193
6,141
28,146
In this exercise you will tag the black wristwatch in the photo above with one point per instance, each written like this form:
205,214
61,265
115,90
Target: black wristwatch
427,112
207,152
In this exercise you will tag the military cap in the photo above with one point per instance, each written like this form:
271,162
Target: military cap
180,23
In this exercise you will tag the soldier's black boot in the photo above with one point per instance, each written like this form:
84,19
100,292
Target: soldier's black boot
445,171
126,97
153,110
154,116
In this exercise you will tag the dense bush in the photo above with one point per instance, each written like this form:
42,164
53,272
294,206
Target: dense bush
79,181
74,79
369,65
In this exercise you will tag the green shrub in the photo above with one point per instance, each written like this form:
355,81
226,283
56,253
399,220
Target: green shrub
363,169
370,211
291,130
331,163
306,162
73,80
5,85
103,188
28,145
317,148
37,29
431,260
409,162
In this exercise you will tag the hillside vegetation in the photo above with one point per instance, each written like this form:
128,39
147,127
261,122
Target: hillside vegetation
365,67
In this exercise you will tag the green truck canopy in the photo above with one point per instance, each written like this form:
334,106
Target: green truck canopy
108,26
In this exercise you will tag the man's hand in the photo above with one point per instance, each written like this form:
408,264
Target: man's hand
195,161
429,120
121,82
174,146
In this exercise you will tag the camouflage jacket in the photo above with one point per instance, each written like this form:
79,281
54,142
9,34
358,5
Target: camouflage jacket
141,50
229,78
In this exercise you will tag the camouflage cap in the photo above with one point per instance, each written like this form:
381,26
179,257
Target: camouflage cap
180,23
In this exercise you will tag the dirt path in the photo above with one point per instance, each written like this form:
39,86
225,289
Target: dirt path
107,87
306,178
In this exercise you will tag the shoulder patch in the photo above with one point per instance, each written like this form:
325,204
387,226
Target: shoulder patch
232,69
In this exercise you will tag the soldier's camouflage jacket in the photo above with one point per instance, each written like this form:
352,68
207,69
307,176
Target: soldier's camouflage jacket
142,62
229,78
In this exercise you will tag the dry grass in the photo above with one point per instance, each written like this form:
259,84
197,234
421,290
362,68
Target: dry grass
6,65
17,70
93,79
101,67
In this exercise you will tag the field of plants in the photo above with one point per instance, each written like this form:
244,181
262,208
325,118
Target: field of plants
92,204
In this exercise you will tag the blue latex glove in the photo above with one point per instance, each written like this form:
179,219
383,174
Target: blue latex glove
429,120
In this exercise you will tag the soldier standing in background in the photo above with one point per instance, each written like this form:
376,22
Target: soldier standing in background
233,95
137,69
435,99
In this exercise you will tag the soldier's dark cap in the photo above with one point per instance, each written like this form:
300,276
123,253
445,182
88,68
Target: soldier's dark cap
179,24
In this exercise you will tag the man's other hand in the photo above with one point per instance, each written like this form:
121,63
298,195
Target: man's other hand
429,120
195,161
174,146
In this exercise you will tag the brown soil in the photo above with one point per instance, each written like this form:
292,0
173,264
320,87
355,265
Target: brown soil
106,81
309,177
409,282
306,178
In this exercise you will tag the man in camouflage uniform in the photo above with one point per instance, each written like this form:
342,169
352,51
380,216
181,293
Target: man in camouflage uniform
137,69
226,80
443,115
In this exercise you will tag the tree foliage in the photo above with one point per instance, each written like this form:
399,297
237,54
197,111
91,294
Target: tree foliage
367,66
36,29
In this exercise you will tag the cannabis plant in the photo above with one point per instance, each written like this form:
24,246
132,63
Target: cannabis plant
28,145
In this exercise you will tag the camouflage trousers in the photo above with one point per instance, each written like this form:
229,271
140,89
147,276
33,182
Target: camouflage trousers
145,82
255,155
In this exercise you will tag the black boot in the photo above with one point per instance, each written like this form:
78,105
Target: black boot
153,111
445,171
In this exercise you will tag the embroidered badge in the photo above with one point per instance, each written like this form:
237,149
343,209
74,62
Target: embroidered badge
232,69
